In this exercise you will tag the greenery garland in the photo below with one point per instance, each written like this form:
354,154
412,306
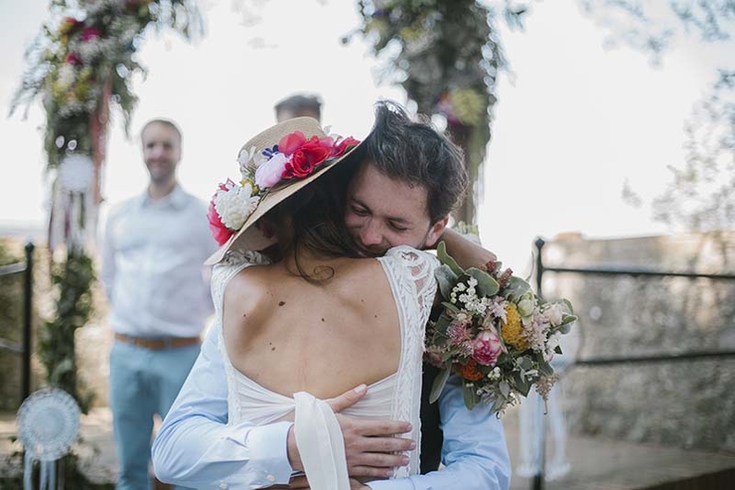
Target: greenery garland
80,64
446,54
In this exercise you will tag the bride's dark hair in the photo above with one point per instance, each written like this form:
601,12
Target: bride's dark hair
312,220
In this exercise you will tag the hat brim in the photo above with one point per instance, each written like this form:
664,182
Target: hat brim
249,236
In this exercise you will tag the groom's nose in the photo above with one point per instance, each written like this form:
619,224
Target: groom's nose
370,234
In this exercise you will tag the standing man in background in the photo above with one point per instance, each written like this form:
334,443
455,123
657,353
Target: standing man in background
299,105
158,291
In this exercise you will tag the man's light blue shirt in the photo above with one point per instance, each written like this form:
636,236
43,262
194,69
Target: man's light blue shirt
196,448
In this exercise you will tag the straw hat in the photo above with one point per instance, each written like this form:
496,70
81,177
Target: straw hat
275,164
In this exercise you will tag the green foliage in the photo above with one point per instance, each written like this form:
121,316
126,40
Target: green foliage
73,281
447,55
84,58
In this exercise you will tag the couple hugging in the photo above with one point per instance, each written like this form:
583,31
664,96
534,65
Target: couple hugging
323,287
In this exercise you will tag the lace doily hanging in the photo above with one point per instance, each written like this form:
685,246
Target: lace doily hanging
48,424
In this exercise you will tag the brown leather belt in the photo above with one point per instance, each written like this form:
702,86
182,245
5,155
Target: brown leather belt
159,343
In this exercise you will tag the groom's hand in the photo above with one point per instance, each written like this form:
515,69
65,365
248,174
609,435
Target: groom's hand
369,444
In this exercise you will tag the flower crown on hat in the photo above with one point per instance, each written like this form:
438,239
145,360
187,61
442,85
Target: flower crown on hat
294,158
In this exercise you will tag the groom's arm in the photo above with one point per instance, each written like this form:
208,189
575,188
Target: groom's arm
474,452
196,448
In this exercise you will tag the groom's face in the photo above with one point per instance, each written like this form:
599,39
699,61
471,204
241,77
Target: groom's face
381,213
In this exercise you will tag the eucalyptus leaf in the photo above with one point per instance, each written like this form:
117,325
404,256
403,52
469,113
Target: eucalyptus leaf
569,305
442,323
505,388
439,382
498,404
446,279
516,288
545,369
523,386
470,395
449,306
525,363
445,258
568,319
486,285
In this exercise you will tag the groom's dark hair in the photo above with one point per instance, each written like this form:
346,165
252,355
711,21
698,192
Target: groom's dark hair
416,153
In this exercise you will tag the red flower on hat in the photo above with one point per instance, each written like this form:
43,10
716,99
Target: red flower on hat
343,145
305,154
304,160
220,232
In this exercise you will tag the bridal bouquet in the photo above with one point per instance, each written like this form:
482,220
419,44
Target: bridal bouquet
495,333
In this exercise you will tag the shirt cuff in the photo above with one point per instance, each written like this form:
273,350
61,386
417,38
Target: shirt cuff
269,451
397,484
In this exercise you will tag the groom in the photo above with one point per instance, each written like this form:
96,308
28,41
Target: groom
402,193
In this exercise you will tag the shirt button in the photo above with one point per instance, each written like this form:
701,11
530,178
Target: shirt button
271,478
223,486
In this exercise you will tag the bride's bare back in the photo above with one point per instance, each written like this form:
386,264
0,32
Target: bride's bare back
289,335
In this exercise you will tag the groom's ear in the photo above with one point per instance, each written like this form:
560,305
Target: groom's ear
436,231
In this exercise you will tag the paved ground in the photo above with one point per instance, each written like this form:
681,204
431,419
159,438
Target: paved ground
596,464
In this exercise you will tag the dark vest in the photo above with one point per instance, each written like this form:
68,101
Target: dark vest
432,436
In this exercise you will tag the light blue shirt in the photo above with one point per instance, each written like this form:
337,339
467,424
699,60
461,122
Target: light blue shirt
152,258
196,448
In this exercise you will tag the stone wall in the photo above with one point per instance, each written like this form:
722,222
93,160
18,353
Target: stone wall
684,403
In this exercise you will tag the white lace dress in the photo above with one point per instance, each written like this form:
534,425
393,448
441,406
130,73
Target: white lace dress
397,397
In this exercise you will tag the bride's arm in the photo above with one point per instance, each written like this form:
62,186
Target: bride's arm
196,448
466,252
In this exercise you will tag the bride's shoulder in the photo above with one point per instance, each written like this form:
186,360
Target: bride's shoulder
410,256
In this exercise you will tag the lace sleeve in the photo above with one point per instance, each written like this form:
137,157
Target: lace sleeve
418,267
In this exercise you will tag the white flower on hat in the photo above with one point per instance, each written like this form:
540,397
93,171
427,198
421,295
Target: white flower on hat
235,204
244,158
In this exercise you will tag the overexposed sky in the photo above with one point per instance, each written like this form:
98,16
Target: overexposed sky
574,120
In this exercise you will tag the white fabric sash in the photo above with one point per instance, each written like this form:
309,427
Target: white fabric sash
320,443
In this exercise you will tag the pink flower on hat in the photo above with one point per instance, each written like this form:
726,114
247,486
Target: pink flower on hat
271,171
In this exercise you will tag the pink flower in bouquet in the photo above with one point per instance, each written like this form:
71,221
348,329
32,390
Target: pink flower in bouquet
458,333
486,348
73,59
90,34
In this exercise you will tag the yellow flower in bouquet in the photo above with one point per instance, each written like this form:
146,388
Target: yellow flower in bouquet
511,328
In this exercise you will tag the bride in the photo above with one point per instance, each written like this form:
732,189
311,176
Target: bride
311,317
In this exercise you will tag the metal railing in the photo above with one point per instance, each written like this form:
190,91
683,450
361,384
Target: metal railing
23,348
541,269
